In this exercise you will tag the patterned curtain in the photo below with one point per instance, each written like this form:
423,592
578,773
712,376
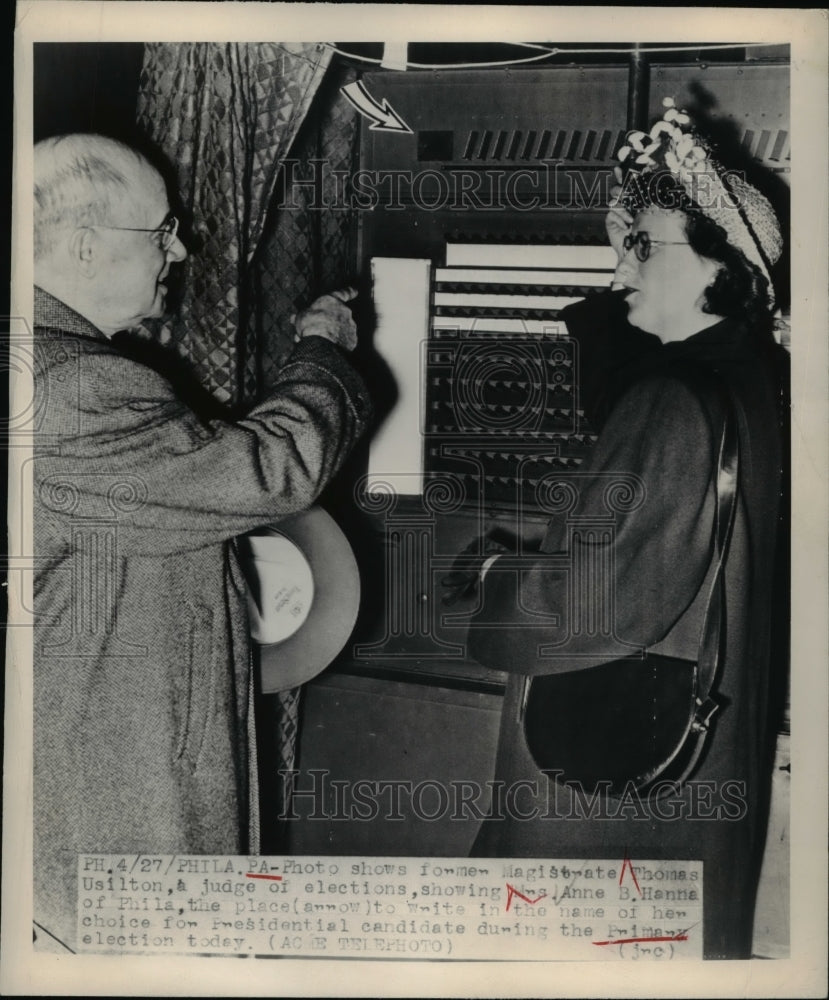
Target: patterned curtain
227,116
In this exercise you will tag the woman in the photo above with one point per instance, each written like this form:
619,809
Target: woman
693,281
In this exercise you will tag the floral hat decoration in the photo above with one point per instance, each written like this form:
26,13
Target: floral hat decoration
674,160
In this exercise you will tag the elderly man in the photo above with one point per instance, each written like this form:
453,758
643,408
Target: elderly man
142,686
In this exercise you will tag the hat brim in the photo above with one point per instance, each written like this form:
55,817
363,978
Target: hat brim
336,602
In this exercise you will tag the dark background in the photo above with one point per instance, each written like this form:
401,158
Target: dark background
86,87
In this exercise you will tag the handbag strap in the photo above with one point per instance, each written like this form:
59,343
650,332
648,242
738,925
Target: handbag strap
710,646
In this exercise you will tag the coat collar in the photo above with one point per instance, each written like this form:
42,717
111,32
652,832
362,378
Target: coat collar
727,340
51,313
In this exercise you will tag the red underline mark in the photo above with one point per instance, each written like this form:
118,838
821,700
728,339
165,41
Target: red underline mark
627,866
273,878
512,891
639,940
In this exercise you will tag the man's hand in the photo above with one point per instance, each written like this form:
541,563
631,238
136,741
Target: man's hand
618,220
329,317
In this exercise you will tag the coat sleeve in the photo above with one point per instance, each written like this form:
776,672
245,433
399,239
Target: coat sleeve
127,449
614,575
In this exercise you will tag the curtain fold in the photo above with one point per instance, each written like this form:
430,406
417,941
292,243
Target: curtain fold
309,244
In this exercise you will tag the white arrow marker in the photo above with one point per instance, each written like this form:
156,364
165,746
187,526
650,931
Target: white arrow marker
383,117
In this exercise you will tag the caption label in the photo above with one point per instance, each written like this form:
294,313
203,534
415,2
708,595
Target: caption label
414,908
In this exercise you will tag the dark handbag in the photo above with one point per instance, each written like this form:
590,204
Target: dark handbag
638,721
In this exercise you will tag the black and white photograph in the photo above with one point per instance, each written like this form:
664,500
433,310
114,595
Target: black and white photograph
417,460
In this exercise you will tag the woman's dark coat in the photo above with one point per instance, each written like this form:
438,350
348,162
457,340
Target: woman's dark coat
660,428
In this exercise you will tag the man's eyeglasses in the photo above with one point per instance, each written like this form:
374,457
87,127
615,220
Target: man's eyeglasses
641,244
166,232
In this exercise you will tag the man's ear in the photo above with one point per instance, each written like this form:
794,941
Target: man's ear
83,249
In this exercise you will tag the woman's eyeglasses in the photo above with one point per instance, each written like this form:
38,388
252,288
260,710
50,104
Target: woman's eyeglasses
641,244
166,232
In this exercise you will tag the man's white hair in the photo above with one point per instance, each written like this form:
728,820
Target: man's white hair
77,179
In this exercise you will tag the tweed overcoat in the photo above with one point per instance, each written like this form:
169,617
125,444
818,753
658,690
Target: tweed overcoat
142,681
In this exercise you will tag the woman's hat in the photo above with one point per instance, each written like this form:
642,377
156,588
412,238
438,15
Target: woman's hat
303,596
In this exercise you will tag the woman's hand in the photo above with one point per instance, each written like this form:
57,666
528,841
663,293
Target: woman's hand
618,220
461,582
